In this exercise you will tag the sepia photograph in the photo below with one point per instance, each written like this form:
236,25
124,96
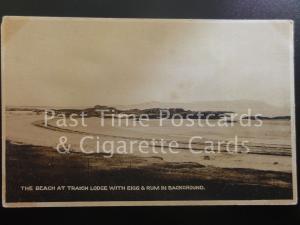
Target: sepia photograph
135,112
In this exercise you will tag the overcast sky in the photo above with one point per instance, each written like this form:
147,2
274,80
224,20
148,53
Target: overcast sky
74,62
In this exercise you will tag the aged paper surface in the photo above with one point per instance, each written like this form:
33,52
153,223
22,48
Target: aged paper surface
108,112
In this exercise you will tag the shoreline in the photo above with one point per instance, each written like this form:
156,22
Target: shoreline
40,124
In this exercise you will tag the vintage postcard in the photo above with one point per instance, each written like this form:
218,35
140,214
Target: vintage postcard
135,112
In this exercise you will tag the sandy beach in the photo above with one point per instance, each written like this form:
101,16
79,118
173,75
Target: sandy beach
269,145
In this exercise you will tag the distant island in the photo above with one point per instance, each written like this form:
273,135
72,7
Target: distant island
151,113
